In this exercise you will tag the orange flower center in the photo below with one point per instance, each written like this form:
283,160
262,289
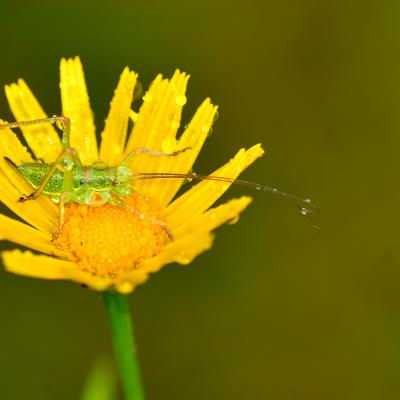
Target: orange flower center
108,240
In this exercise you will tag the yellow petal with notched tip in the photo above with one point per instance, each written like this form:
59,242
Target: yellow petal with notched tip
203,195
113,138
76,106
43,139
12,148
193,137
158,121
25,235
45,267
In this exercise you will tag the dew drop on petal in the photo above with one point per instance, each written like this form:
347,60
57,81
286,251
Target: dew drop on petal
216,115
234,220
134,116
174,124
125,287
147,98
304,211
180,100
168,144
183,257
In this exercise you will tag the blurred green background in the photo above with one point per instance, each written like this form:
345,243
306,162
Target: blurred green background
274,310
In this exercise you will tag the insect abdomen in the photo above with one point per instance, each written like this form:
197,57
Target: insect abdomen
34,173
95,178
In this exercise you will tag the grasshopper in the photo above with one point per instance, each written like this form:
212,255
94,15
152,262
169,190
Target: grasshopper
68,180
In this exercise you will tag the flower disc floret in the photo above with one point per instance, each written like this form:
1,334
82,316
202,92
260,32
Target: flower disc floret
109,240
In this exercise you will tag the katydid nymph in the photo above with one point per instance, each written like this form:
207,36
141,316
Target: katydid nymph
68,180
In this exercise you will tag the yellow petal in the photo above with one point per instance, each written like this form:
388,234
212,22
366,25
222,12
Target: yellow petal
43,139
28,264
113,138
194,136
44,267
158,120
12,148
203,195
23,234
76,106
35,212
214,217
182,251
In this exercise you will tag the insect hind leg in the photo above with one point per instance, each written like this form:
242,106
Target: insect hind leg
65,161
65,197
142,216
154,221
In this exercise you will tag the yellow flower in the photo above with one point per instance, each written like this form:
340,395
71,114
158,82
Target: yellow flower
109,247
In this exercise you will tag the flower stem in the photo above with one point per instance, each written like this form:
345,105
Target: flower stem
124,346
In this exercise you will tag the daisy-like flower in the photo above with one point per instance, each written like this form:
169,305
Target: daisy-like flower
107,246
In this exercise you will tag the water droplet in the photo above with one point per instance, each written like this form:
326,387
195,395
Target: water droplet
125,287
174,124
168,145
258,187
216,116
148,97
234,220
307,201
183,258
134,116
206,129
304,211
180,100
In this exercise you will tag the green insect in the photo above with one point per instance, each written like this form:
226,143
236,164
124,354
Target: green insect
68,180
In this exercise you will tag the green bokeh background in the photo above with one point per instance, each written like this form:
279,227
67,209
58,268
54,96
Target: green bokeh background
274,310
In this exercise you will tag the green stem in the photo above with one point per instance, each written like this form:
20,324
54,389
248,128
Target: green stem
124,345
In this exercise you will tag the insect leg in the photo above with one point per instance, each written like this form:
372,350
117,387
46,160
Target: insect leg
155,221
144,150
67,157
65,196
66,160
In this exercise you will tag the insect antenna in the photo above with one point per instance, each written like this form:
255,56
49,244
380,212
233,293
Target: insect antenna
305,205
